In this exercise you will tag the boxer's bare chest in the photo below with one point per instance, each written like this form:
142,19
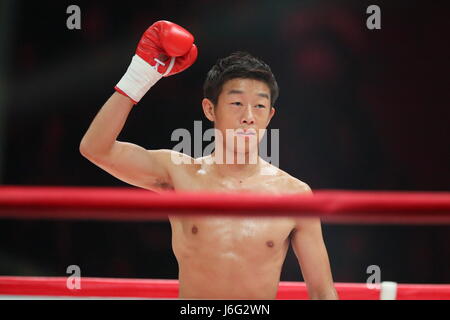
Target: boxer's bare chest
257,235
195,178
253,238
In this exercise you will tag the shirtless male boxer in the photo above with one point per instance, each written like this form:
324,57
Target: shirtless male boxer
218,258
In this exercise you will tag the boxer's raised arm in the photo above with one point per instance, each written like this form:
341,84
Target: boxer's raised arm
126,161
164,49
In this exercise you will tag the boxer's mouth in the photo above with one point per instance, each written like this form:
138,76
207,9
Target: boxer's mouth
245,133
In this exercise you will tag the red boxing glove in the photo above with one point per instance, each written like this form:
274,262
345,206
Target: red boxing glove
164,49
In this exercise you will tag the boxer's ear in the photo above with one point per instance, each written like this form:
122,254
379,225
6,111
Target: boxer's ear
208,109
271,114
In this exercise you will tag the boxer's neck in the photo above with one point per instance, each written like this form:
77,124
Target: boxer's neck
237,169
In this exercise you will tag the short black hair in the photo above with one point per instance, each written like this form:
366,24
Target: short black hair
238,65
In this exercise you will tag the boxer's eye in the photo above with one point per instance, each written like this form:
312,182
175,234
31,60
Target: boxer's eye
237,103
260,106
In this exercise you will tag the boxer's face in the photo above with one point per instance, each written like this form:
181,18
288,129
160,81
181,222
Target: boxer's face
244,107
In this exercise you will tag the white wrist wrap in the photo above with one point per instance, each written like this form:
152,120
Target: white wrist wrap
139,78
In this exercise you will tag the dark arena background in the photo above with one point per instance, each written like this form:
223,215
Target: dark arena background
359,109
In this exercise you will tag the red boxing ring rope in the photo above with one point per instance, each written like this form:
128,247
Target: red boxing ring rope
139,204
168,289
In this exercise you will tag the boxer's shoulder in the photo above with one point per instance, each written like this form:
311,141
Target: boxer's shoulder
292,184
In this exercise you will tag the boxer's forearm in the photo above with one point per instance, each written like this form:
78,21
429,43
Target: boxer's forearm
329,294
162,40
106,126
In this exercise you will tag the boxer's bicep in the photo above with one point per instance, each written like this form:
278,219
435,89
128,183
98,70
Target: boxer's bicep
137,166
309,247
